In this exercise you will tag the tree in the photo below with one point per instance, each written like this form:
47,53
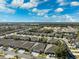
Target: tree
43,39
61,51
78,36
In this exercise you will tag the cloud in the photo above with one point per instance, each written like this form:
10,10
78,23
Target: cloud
59,10
69,18
5,9
62,2
34,1
3,20
31,4
59,1
63,18
45,0
17,3
46,16
74,3
2,1
40,12
59,18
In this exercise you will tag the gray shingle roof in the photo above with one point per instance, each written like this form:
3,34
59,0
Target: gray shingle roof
2,57
50,49
52,40
28,45
39,47
35,39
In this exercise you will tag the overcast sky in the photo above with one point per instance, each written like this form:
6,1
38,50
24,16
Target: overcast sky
39,10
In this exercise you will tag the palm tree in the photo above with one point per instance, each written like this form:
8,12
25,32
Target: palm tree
61,51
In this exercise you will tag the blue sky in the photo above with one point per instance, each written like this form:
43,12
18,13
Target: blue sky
39,10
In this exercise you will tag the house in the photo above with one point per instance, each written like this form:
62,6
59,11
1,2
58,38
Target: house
2,57
18,44
34,39
38,47
28,45
50,49
52,40
25,56
25,38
